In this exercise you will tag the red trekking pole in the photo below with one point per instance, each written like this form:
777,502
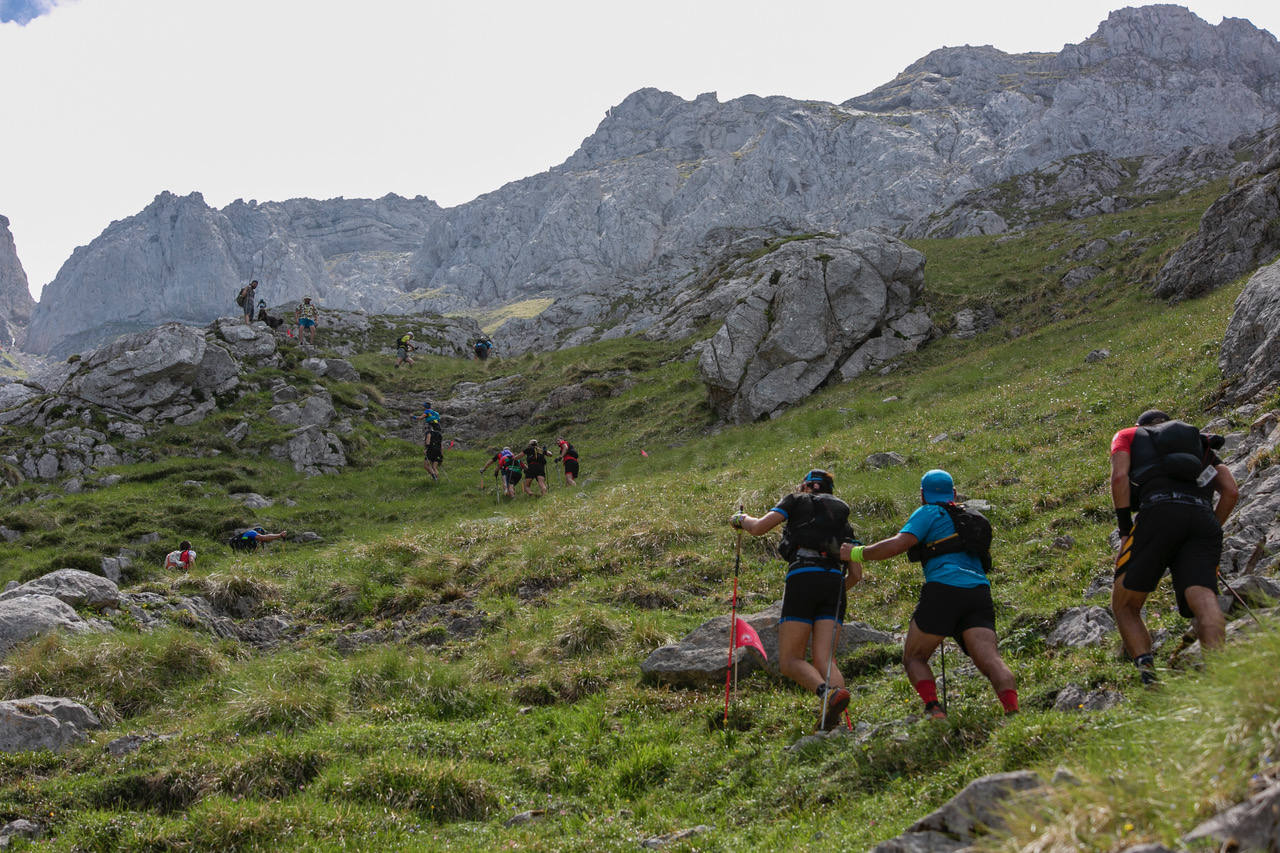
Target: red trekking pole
733,622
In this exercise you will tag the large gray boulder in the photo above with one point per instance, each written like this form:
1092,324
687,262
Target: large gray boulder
29,616
312,450
979,808
44,722
71,586
1251,825
701,656
163,374
1250,354
1082,626
809,310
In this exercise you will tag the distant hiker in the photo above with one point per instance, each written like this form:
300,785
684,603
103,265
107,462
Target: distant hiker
481,347
432,440
813,599
305,316
404,346
953,546
535,466
251,539
1167,470
509,467
263,317
569,459
180,559
245,300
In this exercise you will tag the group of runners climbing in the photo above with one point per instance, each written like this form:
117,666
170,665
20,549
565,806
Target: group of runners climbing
1164,470
305,316
529,466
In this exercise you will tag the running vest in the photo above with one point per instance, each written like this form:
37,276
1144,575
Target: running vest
815,525
972,536
1167,457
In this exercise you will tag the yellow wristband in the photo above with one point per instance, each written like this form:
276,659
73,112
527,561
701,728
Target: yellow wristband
855,553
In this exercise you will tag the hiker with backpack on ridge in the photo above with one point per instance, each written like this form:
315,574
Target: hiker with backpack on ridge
245,300
481,347
569,459
404,346
181,559
1168,471
814,597
953,546
305,316
509,467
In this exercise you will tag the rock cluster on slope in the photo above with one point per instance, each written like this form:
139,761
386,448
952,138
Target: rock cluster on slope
809,312
1250,354
619,219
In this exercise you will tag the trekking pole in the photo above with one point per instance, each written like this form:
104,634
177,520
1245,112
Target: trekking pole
733,622
835,642
942,653
1243,603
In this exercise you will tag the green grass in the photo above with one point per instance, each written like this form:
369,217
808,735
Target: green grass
457,660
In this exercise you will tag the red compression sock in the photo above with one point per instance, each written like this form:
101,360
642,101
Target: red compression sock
1008,700
928,690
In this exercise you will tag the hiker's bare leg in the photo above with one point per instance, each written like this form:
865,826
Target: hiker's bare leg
1209,623
793,641
916,651
1126,606
981,646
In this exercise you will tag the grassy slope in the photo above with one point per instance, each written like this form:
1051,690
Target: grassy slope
438,741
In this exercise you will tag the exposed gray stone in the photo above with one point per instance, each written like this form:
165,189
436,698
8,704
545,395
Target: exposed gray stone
71,586
252,500
891,459
312,451
979,807
1075,698
1082,626
1250,355
43,722
701,656
1251,825
1097,355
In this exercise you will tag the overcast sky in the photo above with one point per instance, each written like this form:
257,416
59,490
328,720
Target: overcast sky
106,103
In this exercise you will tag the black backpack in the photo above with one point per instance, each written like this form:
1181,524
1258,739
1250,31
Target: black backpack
972,536
1173,449
816,523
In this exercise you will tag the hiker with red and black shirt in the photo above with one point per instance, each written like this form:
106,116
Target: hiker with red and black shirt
1168,472
509,467
956,598
569,459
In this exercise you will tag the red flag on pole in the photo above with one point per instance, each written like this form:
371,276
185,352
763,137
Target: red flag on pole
642,453
745,635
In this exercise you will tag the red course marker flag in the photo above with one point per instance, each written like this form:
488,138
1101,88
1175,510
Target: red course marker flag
747,636
642,453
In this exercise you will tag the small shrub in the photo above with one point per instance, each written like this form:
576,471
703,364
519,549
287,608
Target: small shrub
587,632
278,707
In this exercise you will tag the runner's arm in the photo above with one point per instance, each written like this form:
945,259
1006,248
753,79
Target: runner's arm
1224,483
762,525
885,549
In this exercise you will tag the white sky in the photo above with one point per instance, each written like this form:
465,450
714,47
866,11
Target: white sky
106,103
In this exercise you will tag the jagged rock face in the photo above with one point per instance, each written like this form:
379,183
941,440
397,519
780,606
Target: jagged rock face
16,303
1250,355
1239,231
625,213
181,260
809,312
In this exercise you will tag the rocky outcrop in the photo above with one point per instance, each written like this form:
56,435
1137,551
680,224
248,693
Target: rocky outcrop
70,586
1251,825
16,303
1082,626
1251,535
630,212
701,656
1250,354
180,260
44,722
810,312
1239,232
30,616
977,810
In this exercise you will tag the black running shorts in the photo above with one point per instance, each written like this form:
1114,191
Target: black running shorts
512,476
949,611
533,472
433,454
571,466
1183,538
812,595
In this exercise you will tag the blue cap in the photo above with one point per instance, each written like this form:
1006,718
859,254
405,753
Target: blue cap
938,487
